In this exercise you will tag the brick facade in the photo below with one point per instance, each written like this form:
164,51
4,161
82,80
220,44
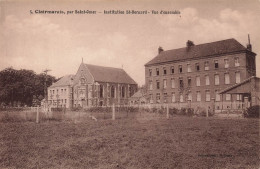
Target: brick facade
93,86
195,78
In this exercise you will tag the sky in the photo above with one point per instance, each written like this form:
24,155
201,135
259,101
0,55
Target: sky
59,41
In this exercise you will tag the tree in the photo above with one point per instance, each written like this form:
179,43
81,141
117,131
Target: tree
21,85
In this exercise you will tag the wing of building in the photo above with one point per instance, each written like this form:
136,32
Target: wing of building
92,86
196,74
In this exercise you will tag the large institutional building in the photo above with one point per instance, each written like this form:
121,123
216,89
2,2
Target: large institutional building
197,74
92,86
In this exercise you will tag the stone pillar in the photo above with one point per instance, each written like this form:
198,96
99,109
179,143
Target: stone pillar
119,93
246,102
213,105
189,103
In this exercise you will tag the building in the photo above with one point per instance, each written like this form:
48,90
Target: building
195,75
138,98
92,86
249,89
59,93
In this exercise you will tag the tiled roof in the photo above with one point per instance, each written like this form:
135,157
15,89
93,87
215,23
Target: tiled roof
202,50
64,81
109,74
137,94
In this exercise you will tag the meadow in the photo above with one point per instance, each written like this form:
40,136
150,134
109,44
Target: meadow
139,141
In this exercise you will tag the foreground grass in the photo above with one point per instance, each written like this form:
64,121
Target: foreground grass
180,142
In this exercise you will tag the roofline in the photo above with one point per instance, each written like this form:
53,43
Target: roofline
103,66
59,86
89,71
197,58
236,85
117,83
110,68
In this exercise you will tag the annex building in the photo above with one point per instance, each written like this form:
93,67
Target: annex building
197,75
92,86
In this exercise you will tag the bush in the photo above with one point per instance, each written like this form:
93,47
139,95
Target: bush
174,111
190,112
252,112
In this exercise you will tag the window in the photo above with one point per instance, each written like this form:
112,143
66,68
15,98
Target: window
216,79
189,81
227,80
172,70
164,71
217,96
151,85
198,96
157,71
237,62
180,68
101,91
164,83
150,72
165,97
226,63
173,83
181,83
239,97
197,81
237,77
216,64
206,65
65,100
197,66
173,97
181,97
207,80
207,95
82,81
158,98
151,98
188,68
190,96
158,84
228,97
61,91
123,91
112,91
65,91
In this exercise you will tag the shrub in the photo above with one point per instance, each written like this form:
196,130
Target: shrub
182,111
252,112
189,111
174,111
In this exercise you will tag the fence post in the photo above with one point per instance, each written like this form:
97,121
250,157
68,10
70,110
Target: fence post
167,111
37,115
113,112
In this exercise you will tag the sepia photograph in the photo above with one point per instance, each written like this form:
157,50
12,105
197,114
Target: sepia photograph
130,84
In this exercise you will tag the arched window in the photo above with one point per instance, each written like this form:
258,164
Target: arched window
101,91
123,91
112,91
82,81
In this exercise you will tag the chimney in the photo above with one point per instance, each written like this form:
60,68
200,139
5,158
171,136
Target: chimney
189,43
160,49
249,46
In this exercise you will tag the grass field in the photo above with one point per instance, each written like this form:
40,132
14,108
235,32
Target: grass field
180,142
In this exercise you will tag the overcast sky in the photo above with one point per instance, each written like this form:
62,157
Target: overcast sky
58,42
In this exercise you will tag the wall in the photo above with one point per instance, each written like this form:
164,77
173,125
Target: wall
201,73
